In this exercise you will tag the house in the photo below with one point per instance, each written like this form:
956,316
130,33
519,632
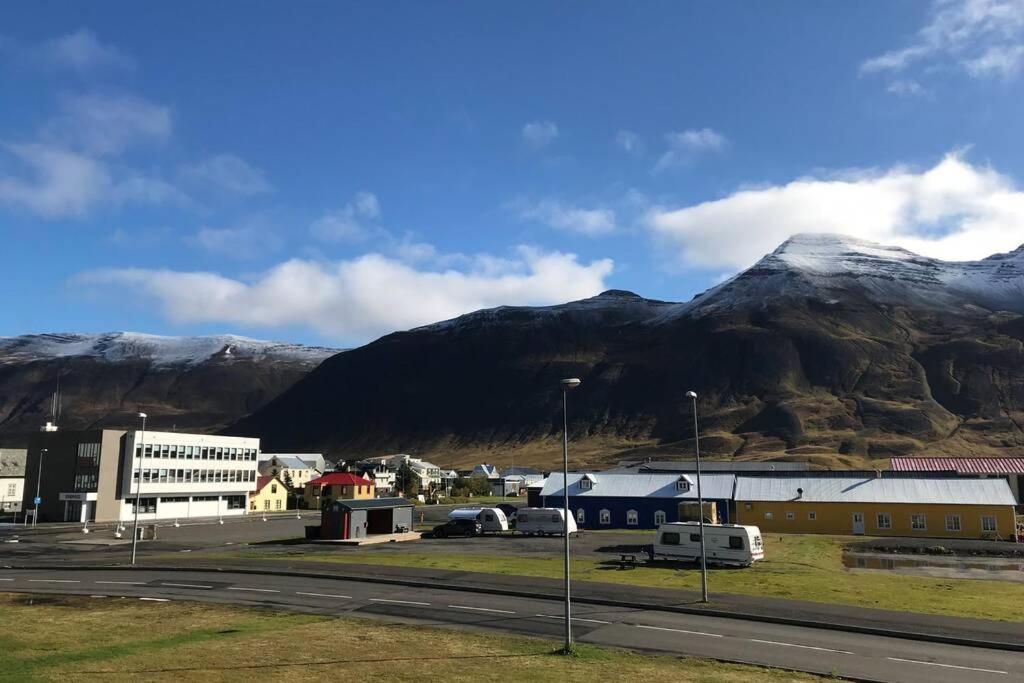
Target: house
866,503
643,501
290,469
353,519
427,473
271,495
484,471
12,479
1010,469
383,478
322,491
514,481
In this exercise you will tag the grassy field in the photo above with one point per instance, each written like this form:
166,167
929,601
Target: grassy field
804,567
120,639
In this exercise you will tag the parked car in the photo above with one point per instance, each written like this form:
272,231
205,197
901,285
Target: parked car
725,544
458,527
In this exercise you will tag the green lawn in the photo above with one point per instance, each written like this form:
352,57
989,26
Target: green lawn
804,567
72,639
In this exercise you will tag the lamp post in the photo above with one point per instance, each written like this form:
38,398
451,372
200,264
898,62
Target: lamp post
567,384
39,481
138,486
700,503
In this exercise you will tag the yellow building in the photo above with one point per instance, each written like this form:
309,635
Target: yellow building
859,504
271,495
336,486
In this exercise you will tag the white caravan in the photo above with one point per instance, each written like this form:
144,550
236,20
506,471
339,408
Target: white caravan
724,544
543,521
491,519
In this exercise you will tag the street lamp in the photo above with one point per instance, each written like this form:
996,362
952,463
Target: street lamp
700,504
567,384
39,481
138,486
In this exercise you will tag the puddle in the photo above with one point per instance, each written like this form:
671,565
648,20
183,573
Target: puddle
990,568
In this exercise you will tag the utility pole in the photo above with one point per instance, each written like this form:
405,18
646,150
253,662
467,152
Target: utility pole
567,384
700,504
138,486
39,481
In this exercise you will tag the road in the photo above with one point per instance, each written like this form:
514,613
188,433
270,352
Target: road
806,649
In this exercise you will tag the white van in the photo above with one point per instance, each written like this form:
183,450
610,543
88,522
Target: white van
725,544
491,519
543,521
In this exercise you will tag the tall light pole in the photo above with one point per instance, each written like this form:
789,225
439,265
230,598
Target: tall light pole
39,481
567,384
138,485
700,504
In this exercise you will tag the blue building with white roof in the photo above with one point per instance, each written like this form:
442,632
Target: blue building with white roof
636,501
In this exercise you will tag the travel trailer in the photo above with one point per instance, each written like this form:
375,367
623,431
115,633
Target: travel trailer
490,519
543,521
724,544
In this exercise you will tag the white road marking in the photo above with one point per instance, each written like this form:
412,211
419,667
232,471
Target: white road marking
552,616
255,590
185,585
401,602
482,609
97,596
53,581
949,666
124,583
804,647
679,630
324,595
156,599
6,579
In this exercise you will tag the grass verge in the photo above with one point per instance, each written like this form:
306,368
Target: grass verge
70,638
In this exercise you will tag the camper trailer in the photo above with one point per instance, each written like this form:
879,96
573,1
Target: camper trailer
490,519
724,544
543,521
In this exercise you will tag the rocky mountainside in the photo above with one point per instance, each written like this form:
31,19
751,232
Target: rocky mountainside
832,349
196,383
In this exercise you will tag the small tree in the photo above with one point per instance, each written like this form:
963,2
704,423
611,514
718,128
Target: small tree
407,481
289,486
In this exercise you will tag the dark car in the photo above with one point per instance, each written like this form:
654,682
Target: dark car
458,527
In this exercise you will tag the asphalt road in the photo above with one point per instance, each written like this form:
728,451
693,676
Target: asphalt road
807,649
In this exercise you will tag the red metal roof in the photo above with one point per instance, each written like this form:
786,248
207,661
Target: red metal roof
959,465
263,481
340,478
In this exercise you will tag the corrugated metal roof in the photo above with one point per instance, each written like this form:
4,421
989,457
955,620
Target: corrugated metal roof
372,503
716,486
959,465
938,490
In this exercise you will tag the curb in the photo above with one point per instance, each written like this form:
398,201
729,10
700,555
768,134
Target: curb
604,602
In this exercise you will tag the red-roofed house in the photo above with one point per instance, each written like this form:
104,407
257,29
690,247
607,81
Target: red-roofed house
328,488
271,495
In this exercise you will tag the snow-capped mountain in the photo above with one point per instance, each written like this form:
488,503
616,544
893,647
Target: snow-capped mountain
158,350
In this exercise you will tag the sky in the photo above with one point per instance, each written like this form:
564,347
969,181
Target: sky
329,172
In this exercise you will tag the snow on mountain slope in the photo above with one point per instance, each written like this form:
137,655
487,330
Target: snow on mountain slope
160,351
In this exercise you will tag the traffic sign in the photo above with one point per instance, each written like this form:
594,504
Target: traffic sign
37,500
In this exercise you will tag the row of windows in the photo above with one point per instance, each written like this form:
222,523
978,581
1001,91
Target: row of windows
174,451
918,521
632,517
12,490
88,454
148,505
266,504
155,476
86,481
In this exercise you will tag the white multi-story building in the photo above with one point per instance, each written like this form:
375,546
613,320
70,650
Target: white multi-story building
12,479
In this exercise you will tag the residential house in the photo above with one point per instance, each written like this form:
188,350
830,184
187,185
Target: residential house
290,469
322,491
514,481
12,479
271,495
382,477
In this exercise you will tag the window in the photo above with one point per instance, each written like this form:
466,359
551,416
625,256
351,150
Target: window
632,518
659,516
694,538
769,516
581,516
519,518
146,505
236,502
789,515
953,523
273,488
83,482
266,504
586,484
736,543
88,454
12,489
883,520
205,499
605,517
556,518
918,523
277,504
812,516
988,523
670,538
175,499
683,485
163,476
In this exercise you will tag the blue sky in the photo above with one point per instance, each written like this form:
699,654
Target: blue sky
330,172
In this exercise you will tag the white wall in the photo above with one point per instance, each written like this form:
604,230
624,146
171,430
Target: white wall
11,501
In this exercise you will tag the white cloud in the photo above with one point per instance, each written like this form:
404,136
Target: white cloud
954,211
246,241
629,141
354,222
354,300
598,221
985,38
538,134
82,51
907,88
685,145
227,172
60,183
108,125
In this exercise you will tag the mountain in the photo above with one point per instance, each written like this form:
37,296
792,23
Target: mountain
830,349
195,383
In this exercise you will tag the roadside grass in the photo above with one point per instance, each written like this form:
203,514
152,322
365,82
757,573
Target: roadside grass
800,567
75,639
